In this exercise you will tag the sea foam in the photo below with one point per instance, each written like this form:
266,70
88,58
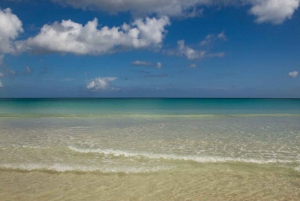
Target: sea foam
79,168
195,158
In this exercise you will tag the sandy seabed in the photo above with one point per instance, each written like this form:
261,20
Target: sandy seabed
201,182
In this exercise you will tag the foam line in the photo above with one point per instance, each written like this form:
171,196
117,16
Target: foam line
200,159
78,168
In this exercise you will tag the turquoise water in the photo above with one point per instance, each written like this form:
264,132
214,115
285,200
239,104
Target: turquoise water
162,139
149,106
258,130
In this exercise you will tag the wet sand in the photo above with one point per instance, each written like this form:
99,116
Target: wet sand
196,182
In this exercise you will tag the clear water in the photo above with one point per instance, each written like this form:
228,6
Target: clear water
152,149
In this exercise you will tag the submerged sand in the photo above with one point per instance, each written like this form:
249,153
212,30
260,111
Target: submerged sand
195,182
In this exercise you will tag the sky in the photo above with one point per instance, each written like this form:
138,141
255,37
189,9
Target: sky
150,48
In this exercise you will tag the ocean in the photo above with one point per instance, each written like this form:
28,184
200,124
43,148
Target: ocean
149,149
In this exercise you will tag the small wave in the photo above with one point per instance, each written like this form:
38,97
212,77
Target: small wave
200,159
79,168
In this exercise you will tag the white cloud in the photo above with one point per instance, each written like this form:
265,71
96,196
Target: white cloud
274,11
1,74
209,39
28,70
10,27
141,63
101,83
146,63
1,59
222,36
193,66
71,37
1,85
188,52
158,65
177,8
293,74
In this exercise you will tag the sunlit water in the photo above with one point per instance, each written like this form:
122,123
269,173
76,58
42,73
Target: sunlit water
149,149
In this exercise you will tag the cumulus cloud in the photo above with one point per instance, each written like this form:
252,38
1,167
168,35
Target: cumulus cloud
71,37
10,28
141,63
274,11
1,74
1,85
177,8
193,66
293,74
101,84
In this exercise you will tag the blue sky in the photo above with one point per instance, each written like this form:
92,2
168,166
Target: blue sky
150,48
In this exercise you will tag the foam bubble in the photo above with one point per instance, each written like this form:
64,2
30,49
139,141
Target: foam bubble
200,159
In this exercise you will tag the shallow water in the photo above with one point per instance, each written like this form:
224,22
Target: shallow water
242,152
